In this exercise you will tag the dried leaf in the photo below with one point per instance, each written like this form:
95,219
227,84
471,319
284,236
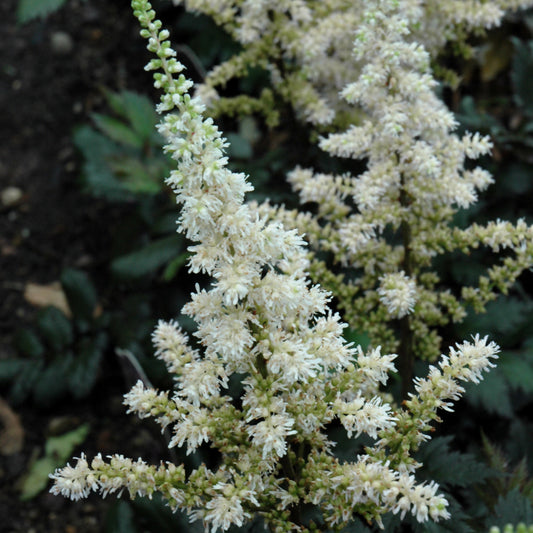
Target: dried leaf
12,432
44,295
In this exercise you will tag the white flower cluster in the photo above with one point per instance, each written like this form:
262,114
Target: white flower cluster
263,323
389,222
398,292
314,42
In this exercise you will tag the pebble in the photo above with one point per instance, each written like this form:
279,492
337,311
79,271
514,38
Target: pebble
10,196
61,43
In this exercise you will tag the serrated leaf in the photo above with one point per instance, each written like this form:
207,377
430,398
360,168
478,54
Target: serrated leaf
491,394
139,111
511,508
517,315
30,9
519,441
117,130
136,176
52,382
84,367
25,381
80,292
518,370
57,450
148,259
55,328
97,175
522,73
450,467
356,526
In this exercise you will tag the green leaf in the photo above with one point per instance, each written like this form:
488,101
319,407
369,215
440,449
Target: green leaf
148,259
31,9
55,327
175,266
357,337
120,519
140,112
27,343
25,381
491,394
522,74
137,176
450,467
37,477
511,508
61,446
158,517
52,382
117,130
98,178
10,369
83,370
519,441
518,369
517,312
57,450
80,293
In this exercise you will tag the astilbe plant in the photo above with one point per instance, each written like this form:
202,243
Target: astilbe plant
262,322
384,228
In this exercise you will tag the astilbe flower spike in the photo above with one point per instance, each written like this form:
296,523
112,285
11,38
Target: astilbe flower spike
262,320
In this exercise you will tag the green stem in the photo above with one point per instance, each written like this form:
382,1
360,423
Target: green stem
405,352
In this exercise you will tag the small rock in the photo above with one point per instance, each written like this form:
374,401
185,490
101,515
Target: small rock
61,43
10,196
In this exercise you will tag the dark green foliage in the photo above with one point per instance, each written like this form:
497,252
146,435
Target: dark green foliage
120,519
449,467
147,516
521,75
30,9
512,508
124,156
60,355
124,162
142,262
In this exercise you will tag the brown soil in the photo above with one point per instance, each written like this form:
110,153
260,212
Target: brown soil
52,74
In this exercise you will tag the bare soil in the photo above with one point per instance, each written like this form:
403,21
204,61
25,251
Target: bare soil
52,73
